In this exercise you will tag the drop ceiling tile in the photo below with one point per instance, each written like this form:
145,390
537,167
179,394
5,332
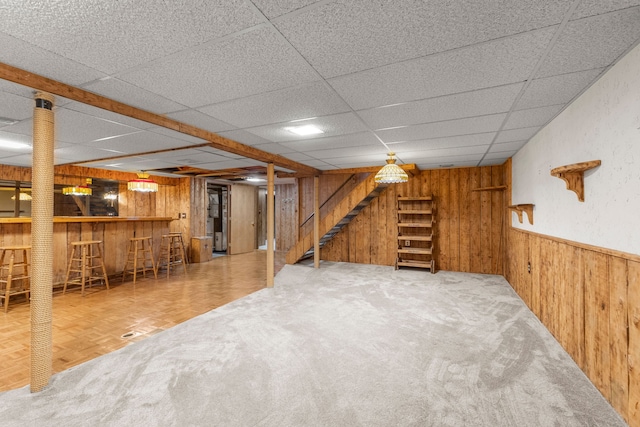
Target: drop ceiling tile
465,126
140,142
244,137
532,117
507,146
500,62
502,155
146,164
13,159
117,35
15,107
221,153
427,164
493,162
310,100
273,9
298,157
77,152
230,163
516,134
177,135
347,36
556,90
471,152
106,115
27,56
5,135
130,94
336,156
318,164
15,89
187,155
443,143
592,42
597,7
200,120
469,104
349,140
76,128
338,124
250,63
275,148
437,161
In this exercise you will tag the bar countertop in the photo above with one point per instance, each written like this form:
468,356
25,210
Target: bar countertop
67,219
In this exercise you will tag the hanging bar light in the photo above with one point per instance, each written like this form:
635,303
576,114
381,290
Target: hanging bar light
23,196
80,190
143,184
391,173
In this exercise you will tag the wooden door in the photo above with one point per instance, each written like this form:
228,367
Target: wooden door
242,219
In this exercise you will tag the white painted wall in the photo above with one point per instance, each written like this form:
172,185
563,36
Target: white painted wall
602,124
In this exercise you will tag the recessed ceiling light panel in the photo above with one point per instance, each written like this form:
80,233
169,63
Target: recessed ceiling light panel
14,145
305,130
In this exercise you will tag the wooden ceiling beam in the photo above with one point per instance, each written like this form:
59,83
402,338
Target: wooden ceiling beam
38,82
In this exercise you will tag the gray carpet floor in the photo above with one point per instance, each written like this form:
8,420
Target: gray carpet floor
343,345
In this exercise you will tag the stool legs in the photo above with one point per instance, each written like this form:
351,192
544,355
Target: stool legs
84,261
140,253
13,274
171,253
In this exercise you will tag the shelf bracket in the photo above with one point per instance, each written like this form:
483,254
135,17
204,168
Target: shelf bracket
518,209
573,176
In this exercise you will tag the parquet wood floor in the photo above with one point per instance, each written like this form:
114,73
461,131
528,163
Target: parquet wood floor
93,325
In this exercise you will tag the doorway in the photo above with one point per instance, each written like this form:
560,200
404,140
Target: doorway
217,217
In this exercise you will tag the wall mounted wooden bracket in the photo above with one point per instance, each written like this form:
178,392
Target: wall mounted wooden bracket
528,208
573,175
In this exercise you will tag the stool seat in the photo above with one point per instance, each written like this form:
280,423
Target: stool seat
172,252
86,258
139,256
14,273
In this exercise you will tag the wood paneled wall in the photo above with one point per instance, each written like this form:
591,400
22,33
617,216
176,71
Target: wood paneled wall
589,299
470,225
286,216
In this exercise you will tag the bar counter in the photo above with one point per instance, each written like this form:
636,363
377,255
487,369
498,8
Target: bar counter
113,231
66,219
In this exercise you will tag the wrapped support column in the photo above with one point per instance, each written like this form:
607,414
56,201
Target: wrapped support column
42,241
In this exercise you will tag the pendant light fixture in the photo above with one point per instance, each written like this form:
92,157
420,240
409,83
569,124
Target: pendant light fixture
143,184
23,196
80,190
391,173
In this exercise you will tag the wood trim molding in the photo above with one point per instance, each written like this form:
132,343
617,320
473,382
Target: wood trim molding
41,83
606,251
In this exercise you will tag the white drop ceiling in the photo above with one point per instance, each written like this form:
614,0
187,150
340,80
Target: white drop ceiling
440,83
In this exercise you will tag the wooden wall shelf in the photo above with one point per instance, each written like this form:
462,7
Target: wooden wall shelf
573,176
518,209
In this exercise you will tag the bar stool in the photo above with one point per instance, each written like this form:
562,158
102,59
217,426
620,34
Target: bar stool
8,276
86,258
140,253
171,252
184,254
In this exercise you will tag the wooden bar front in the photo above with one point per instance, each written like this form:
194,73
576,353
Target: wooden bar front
114,232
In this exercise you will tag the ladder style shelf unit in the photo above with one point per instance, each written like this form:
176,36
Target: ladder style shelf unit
416,233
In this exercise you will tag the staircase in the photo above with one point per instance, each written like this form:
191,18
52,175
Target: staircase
334,221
